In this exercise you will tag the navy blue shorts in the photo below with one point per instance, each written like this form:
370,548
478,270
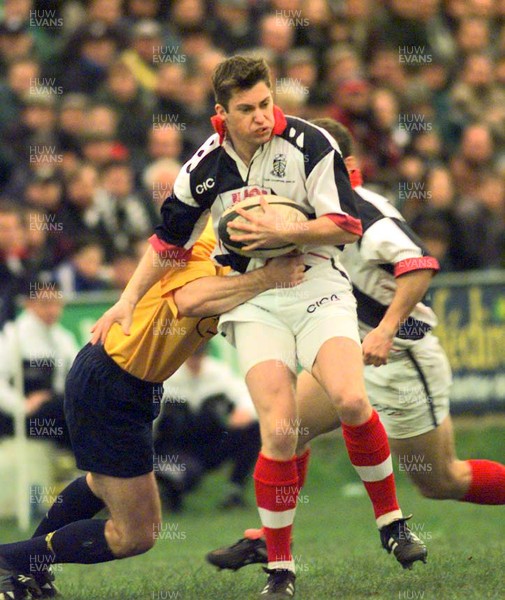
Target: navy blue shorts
109,415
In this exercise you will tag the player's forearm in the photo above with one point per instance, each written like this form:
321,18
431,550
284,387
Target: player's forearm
216,295
411,288
149,270
320,231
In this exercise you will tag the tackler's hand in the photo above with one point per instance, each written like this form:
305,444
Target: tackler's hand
121,312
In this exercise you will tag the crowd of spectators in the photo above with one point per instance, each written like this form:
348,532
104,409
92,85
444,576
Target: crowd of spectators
101,101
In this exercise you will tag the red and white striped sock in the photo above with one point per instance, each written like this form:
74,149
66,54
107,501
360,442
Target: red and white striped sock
302,464
488,483
276,485
368,449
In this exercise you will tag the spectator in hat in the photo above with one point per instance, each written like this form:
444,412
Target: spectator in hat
146,53
88,56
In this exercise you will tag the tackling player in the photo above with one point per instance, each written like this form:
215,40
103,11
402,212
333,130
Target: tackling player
407,375
112,395
257,149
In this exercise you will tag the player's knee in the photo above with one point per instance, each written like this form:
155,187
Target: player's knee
432,491
438,488
136,542
281,443
352,406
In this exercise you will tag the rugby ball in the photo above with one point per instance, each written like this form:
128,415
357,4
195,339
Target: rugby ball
288,211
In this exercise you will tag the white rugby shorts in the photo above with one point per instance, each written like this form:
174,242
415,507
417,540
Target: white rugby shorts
291,324
411,391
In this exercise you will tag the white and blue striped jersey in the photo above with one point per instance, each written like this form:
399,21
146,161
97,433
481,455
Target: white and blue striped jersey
301,162
387,249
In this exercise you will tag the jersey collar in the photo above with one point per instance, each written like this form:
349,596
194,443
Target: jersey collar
356,178
280,124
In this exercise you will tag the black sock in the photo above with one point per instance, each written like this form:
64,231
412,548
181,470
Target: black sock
79,542
76,502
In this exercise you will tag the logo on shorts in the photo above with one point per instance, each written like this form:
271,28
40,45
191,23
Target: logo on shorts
324,300
279,165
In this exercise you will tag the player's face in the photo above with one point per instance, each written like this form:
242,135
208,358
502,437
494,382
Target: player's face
250,115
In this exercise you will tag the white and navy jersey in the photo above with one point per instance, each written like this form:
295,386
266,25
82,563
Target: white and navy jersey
387,249
301,162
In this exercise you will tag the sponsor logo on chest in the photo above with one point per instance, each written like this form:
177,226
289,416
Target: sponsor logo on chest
234,196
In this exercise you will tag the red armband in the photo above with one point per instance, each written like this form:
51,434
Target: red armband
416,264
175,252
347,223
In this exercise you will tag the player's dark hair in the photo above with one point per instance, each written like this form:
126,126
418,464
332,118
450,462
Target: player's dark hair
338,132
238,73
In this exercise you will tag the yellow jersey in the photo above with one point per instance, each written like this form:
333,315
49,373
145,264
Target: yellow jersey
159,341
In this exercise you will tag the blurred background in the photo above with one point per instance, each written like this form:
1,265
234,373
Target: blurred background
102,101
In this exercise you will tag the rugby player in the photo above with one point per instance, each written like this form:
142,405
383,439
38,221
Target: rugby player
257,149
112,395
407,376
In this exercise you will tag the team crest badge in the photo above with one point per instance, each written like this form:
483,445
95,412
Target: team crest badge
279,165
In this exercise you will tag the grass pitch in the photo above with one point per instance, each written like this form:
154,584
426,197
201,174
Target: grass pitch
337,548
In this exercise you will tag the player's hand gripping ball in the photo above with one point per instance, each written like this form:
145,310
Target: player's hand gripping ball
289,214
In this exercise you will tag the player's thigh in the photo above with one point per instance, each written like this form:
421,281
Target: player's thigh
272,388
133,502
267,358
264,341
316,412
